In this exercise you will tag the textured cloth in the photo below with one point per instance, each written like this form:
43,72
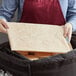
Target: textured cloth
3,73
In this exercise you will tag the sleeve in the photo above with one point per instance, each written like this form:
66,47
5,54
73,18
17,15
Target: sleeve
71,13
7,9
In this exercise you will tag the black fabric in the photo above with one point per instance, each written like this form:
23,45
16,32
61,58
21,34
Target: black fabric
18,65
13,62
73,40
59,65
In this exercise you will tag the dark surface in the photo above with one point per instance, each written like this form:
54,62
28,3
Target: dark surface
18,65
73,40
13,62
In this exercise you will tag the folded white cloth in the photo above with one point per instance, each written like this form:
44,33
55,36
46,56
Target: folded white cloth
3,73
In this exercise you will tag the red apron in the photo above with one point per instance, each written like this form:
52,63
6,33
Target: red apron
42,12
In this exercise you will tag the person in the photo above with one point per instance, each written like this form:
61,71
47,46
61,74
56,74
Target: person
56,12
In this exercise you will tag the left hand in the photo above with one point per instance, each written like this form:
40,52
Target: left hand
68,31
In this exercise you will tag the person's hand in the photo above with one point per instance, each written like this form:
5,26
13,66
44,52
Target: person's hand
68,31
3,26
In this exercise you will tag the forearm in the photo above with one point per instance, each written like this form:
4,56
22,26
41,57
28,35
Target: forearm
71,14
7,9
72,21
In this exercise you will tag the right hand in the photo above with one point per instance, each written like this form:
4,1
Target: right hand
3,26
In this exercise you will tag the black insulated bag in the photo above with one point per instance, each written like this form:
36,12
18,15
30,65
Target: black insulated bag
18,65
